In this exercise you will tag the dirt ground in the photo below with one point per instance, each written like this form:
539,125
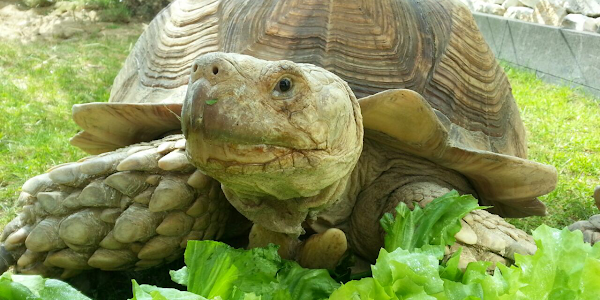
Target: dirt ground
60,22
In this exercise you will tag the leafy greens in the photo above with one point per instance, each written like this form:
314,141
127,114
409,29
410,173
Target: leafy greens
410,266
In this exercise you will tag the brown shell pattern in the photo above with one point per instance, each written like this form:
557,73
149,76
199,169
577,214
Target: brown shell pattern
431,47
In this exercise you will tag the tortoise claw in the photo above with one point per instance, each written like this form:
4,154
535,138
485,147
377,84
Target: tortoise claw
323,250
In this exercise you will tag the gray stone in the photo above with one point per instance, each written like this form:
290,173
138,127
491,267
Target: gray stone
468,3
580,22
489,8
529,3
590,8
595,220
519,13
549,12
556,55
587,236
584,47
510,3
493,1
581,226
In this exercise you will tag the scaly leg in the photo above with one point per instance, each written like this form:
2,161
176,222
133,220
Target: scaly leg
320,251
484,236
133,208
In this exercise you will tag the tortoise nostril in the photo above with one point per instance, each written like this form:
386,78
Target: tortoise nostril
215,70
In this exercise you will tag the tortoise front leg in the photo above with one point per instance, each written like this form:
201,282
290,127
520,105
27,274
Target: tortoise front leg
484,236
132,208
320,251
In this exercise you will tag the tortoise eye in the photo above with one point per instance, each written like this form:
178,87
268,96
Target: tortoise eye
284,85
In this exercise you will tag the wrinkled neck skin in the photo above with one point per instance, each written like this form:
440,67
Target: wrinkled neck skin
287,216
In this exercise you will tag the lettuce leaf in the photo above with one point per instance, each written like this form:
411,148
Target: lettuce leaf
397,275
30,287
408,267
215,269
436,224
149,292
563,267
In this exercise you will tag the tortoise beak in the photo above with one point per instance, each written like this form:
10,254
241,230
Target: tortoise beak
193,109
207,71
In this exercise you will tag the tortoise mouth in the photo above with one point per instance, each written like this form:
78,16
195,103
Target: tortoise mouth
232,158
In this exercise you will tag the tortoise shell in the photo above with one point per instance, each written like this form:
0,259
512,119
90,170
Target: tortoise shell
433,48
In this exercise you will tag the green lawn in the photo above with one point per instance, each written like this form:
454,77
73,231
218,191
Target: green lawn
40,83
564,131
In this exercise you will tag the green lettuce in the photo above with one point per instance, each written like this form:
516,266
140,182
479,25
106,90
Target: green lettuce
35,287
436,224
215,269
563,267
408,267
149,292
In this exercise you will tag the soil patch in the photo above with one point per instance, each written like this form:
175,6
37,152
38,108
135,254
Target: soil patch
60,22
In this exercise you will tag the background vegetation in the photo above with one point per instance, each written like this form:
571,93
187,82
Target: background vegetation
564,131
112,10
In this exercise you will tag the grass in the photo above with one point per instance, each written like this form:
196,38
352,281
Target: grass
564,131
40,83
38,86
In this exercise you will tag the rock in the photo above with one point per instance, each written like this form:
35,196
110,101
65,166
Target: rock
38,3
510,3
529,3
582,226
493,1
489,8
469,4
520,13
590,8
580,22
595,220
93,15
549,12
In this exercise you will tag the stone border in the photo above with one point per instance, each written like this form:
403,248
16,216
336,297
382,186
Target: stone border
557,55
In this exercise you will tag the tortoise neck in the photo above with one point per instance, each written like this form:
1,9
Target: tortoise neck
286,216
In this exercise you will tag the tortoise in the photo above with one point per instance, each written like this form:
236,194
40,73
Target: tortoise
313,174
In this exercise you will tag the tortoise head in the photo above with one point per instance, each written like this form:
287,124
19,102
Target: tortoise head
273,133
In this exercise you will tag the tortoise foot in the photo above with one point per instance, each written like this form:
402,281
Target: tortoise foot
324,250
487,237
